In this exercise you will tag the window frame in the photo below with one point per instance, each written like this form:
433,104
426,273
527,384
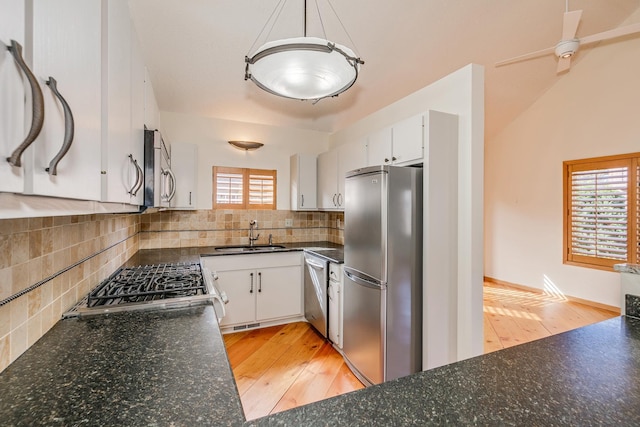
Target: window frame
632,162
246,174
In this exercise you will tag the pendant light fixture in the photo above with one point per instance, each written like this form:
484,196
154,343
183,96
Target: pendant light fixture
305,68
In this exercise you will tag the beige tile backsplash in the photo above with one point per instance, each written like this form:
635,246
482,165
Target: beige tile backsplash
65,253
175,229
68,255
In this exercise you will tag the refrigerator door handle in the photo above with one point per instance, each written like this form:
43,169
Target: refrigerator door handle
364,282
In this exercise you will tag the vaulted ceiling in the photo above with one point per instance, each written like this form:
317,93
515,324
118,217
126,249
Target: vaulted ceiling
195,51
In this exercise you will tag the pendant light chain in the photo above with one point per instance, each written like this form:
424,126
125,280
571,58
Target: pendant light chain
355,49
324,33
280,5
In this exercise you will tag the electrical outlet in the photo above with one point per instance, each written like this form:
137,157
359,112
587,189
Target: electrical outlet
288,223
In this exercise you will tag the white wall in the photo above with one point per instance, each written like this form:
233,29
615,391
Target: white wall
593,110
211,136
460,93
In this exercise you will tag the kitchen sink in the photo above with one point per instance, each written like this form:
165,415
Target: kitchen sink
247,248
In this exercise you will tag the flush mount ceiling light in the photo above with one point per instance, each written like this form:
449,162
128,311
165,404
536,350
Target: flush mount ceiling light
305,68
246,145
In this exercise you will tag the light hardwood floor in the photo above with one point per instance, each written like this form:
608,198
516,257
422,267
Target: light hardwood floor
281,367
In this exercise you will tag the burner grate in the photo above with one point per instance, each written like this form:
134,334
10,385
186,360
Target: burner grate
149,283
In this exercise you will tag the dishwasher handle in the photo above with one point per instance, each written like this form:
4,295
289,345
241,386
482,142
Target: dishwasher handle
314,264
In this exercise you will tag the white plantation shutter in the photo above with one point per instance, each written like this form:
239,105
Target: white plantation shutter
239,188
229,188
601,223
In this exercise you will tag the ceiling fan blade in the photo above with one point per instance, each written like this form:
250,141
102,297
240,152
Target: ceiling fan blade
616,32
563,64
570,24
526,56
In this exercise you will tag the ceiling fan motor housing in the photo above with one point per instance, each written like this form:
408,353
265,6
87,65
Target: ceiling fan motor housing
567,48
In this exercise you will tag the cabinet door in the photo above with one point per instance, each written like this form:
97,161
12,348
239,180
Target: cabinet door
408,140
240,287
303,182
379,147
184,158
66,45
13,90
279,292
350,156
327,180
335,304
137,111
119,172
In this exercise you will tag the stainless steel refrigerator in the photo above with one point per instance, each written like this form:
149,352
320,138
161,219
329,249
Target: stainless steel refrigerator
383,272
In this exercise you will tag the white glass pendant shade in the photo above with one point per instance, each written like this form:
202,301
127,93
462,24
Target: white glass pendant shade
307,68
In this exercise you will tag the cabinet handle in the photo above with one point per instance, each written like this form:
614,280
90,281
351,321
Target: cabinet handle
37,105
259,282
141,175
394,159
251,288
69,127
189,198
386,160
302,200
340,199
135,184
334,200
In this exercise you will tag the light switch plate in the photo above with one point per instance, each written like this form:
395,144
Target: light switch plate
288,223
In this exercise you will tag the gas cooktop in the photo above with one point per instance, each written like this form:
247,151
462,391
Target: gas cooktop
146,287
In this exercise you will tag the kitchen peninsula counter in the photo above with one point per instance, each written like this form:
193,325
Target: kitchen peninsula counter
170,368
134,368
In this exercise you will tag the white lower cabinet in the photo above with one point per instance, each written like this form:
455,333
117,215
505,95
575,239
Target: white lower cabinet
335,304
268,292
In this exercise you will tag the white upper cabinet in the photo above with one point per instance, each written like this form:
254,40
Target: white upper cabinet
328,180
333,166
121,152
137,114
379,147
65,54
303,182
408,141
184,164
401,144
13,90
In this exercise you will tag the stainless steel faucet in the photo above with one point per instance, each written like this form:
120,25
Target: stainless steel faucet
253,224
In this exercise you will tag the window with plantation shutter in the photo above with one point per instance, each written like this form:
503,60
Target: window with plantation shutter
240,188
601,206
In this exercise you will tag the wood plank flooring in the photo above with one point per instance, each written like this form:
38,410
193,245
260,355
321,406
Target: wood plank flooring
281,367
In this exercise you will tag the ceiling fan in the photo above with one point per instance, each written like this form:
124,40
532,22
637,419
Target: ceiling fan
569,44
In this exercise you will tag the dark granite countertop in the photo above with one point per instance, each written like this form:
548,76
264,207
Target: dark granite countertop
588,376
131,369
170,368
331,251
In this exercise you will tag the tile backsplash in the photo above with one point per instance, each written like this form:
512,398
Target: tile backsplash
175,229
48,264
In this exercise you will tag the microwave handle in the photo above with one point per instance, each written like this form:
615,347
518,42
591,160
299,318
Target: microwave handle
172,179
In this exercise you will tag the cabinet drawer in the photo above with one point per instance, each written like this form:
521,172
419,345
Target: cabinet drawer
250,261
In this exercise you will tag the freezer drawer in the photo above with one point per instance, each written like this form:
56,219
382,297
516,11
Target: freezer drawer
364,326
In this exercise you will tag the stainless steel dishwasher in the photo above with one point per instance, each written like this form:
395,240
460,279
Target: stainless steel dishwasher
316,282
